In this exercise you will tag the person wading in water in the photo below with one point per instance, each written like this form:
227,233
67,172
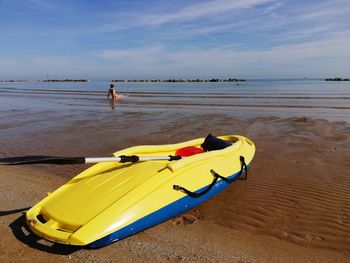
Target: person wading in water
111,92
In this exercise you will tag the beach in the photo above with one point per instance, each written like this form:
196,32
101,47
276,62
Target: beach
294,207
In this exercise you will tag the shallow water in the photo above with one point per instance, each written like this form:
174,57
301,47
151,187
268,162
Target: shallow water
256,98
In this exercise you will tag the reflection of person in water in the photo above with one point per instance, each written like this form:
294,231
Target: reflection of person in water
111,92
112,103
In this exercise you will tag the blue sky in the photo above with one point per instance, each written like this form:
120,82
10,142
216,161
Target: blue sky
180,39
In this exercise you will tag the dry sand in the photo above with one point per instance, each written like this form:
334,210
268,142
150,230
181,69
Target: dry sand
294,207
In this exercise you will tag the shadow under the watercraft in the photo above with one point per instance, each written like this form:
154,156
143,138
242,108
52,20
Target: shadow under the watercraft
22,233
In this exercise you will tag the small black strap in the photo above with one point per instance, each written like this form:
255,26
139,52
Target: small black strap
196,194
244,170
128,159
174,157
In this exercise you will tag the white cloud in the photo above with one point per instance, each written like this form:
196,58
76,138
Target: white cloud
208,10
202,10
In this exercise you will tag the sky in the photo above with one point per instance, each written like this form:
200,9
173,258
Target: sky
134,39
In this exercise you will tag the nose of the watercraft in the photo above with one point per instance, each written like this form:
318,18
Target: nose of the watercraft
50,229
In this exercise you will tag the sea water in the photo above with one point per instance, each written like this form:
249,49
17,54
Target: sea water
253,98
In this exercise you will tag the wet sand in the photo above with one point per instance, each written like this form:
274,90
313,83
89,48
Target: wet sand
294,207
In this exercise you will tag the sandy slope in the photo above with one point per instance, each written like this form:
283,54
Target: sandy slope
294,207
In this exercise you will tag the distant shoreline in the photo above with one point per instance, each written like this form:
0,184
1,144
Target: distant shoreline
216,80
179,80
337,79
134,80
48,80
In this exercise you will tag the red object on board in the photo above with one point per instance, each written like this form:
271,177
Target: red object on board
188,151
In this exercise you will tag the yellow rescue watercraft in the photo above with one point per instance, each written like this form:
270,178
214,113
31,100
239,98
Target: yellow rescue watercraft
113,200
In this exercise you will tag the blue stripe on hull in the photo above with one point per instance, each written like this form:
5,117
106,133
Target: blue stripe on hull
163,214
